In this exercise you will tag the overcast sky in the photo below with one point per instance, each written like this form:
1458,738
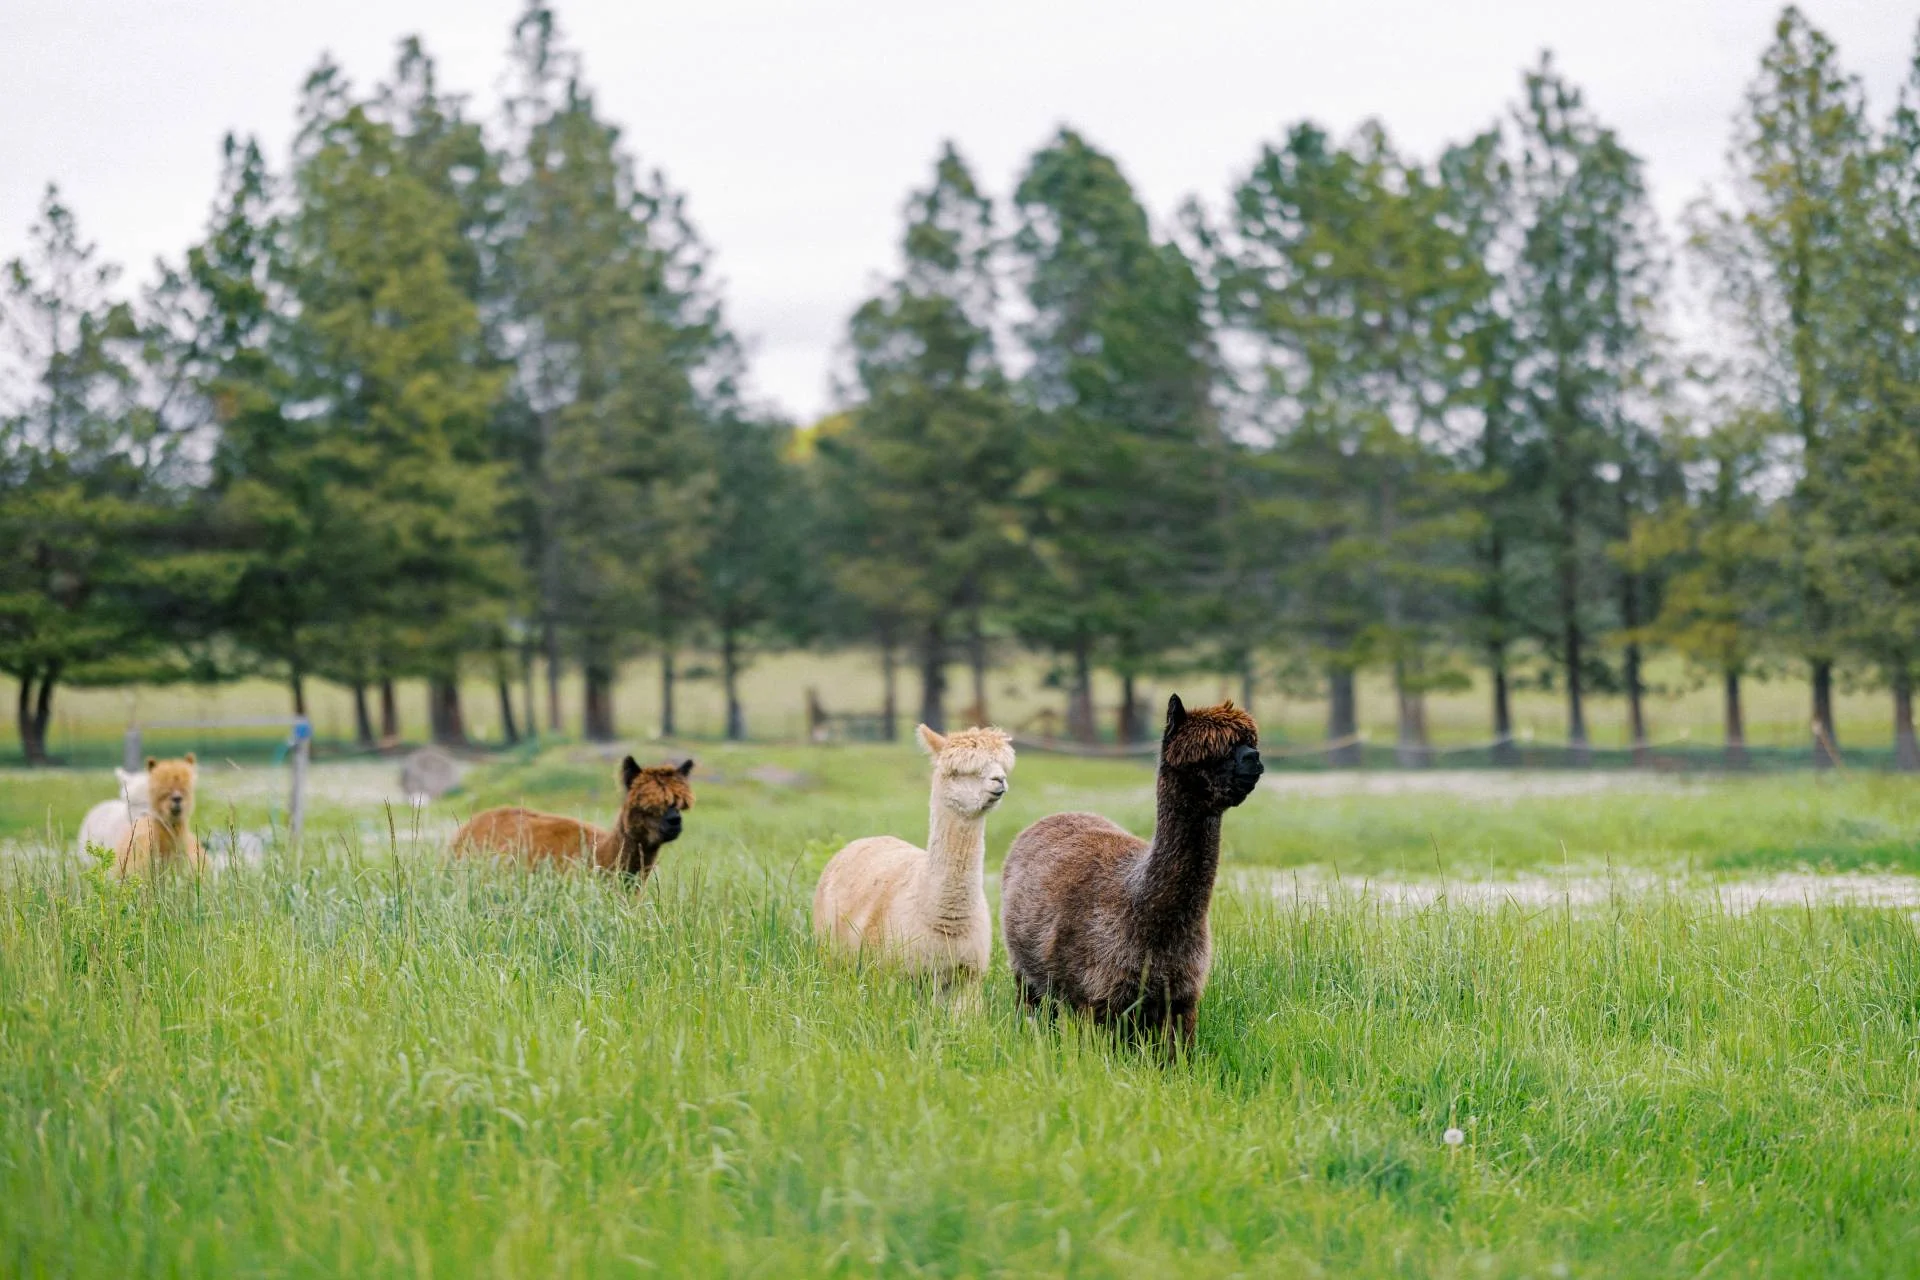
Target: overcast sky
797,129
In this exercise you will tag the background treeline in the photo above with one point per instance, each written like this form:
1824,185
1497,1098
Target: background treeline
450,394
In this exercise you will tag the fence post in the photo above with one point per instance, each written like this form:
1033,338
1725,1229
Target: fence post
297,802
130,752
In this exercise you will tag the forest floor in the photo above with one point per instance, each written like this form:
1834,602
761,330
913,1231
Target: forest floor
1676,1022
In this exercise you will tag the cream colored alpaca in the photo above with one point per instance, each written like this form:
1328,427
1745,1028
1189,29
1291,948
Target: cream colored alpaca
109,823
925,909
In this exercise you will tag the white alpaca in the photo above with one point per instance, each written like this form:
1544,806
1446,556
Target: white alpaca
109,823
925,909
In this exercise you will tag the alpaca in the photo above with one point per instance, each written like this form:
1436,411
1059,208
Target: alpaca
108,823
1106,922
163,837
925,909
649,817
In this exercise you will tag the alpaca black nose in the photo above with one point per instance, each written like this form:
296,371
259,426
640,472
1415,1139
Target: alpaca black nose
670,825
998,789
1246,762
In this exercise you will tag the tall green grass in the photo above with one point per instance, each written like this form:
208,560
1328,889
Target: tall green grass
375,1064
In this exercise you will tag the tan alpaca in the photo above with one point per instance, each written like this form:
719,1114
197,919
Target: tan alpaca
164,837
925,909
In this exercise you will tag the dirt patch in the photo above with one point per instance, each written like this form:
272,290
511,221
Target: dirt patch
1536,892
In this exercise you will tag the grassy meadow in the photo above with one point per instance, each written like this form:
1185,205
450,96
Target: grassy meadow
359,1059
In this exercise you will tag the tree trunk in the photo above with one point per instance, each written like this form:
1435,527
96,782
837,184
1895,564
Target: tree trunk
1636,700
1736,724
448,723
389,713
1505,750
526,690
1636,708
1826,740
1080,726
297,681
1906,750
1127,725
43,710
933,678
508,729
362,717
32,718
669,722
1343,719
977,662
1249,681
551,641
597,703
1411,750
889,689
730,679
1569,591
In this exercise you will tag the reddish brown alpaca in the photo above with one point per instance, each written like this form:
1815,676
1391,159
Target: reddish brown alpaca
1106,922
649,817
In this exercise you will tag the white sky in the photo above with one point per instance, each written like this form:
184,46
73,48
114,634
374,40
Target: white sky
797,129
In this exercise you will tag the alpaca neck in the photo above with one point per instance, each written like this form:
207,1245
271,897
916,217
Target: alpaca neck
951,877
175,834
1174,887
620,850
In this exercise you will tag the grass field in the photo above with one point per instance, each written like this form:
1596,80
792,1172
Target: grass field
362,1061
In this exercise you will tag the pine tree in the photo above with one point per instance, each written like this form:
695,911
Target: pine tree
620,359
1875,510
754,571
78,476
1586,286
1779,252
1356,289
1722,553
1117,497
392,373
922,474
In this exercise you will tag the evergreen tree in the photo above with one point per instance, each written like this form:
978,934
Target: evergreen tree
620,358
1779,254
1353,283
399,502
922,474
1722,553
1875,510
1117,496
754,571
81,508
1585,287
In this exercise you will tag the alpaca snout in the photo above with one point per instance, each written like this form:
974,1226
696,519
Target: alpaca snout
671,824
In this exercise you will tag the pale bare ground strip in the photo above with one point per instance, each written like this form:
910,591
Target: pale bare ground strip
1582,891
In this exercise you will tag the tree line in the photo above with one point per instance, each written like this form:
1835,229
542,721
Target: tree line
447,394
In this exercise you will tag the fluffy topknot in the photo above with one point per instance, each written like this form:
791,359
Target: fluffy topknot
1205,733
658,786
968,750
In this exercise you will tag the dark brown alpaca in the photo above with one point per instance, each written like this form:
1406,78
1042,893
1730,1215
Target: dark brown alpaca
649,817
1107,922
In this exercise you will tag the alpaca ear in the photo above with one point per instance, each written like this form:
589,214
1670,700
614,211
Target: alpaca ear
932,743
686,767
151,761
1176,715
190,759
629,770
